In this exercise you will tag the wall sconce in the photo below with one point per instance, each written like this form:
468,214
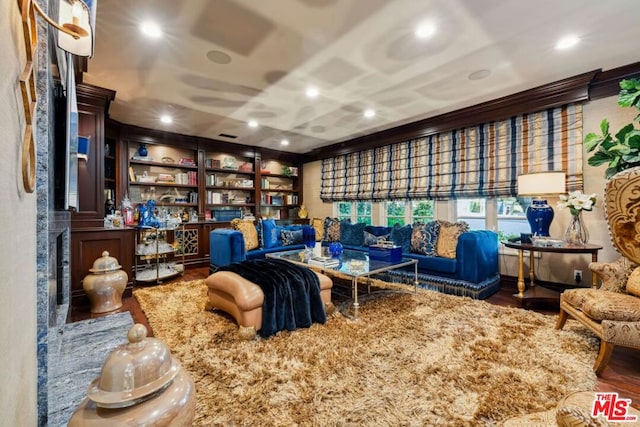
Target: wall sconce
76,32
72,28
539,213
83,147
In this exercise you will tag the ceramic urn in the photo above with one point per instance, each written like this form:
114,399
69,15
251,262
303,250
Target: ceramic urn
105,285
140,384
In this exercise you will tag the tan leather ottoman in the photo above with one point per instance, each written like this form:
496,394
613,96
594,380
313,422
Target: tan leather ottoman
243,299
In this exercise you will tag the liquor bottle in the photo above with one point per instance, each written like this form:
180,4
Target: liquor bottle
109,205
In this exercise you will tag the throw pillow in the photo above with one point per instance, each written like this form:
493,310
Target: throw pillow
369,239
633,283
352,234
424,238
401,236
249,232
318,225
269,234
331,230
374,234
291,237
448,237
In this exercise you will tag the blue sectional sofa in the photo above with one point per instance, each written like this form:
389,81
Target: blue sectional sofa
473,272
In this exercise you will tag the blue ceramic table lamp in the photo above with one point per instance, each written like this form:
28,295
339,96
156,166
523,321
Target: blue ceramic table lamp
539,213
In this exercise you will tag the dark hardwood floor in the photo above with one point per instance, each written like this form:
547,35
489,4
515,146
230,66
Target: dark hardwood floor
622,375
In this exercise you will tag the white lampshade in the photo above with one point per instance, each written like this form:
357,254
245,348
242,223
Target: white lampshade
541,184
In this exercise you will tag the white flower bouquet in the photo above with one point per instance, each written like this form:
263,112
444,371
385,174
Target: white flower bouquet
576,201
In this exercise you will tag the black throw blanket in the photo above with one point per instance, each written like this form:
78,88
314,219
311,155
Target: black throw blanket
291,293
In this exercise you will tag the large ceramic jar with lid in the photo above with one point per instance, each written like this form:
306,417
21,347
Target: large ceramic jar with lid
140,384
105,285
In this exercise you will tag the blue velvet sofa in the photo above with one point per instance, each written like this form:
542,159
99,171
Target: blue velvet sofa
227,246
473,272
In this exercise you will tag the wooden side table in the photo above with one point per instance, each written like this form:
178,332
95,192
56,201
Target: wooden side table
539,293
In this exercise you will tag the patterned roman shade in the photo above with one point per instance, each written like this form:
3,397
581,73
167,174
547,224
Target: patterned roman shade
480,161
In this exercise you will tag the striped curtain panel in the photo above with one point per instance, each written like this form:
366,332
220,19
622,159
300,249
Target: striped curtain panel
480,161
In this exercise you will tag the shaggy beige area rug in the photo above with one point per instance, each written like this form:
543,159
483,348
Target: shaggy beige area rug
426,359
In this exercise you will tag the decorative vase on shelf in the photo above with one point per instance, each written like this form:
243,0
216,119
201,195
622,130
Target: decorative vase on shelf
576,233
142,150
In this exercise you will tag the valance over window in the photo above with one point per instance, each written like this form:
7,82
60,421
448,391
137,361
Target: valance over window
480,161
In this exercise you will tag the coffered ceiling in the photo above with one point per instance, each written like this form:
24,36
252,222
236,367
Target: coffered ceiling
220,64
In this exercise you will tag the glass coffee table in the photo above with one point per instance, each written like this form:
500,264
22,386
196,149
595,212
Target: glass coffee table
353,264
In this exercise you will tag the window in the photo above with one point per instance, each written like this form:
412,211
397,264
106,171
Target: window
422,211
363,212
511,218
395,213
354,211
473,212
399,212
343,210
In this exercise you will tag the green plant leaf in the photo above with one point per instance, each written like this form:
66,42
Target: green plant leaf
604,126
620,149
628,99
599,158
632,158
591,141
621,135
630,94
630,84
632,139
609,172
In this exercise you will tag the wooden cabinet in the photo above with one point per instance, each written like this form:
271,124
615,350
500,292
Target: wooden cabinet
87,245
93,103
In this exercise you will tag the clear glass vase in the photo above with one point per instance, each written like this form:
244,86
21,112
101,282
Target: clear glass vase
576,233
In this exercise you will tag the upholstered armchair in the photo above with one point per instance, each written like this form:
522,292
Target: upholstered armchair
611,311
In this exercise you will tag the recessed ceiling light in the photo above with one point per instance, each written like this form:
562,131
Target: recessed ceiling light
312,92
425,30
567,42
369,113
284,142
151,29
167,119
253,124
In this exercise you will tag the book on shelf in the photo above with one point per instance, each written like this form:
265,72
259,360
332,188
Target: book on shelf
186,161
212,163
165,177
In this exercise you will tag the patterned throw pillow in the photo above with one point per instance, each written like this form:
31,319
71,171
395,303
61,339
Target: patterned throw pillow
269,234
424,238
448,237
318,225
401,236
633,283
291,237
331,230
249,232
352,234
